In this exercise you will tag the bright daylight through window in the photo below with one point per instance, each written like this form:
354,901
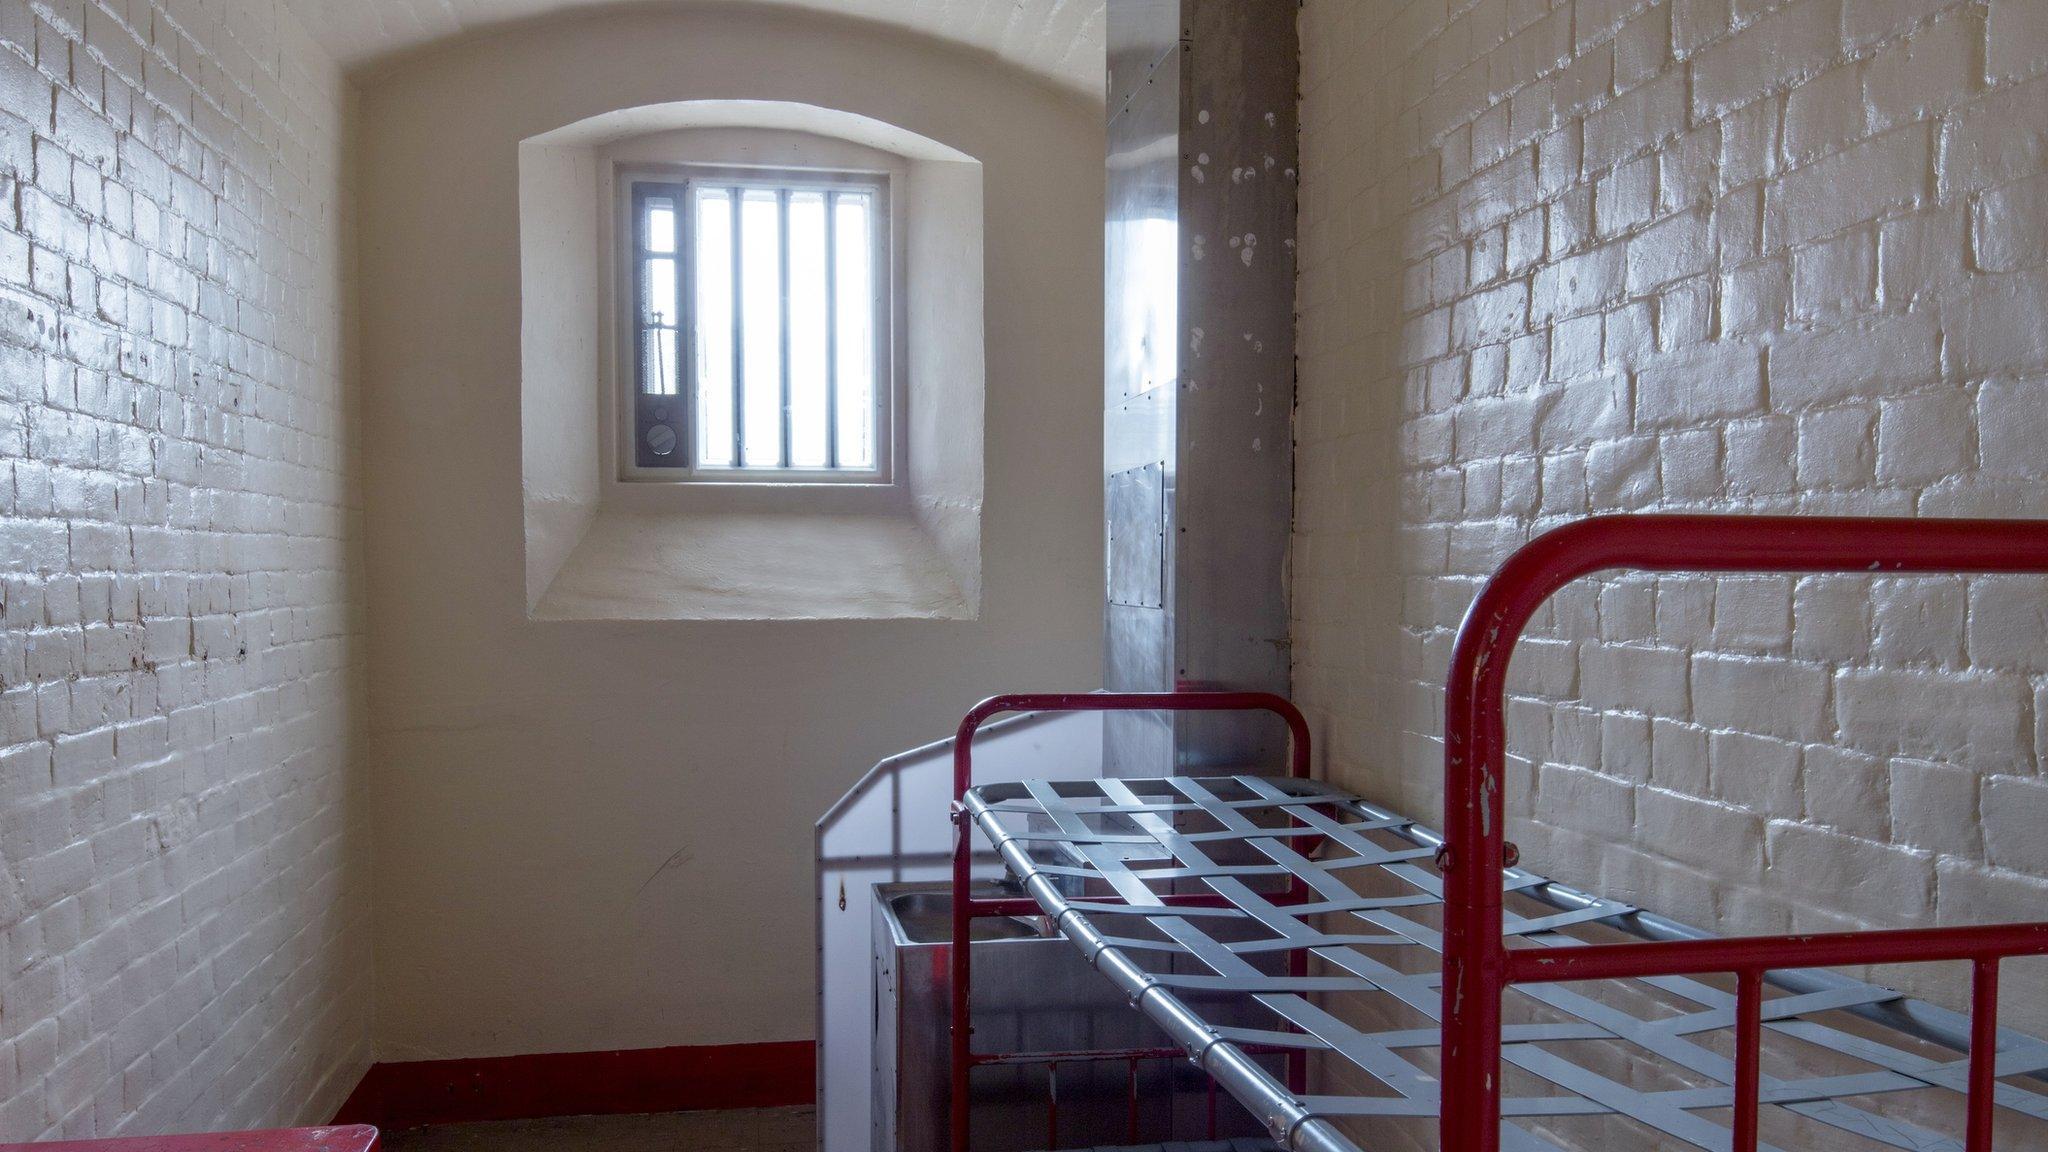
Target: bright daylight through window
757,308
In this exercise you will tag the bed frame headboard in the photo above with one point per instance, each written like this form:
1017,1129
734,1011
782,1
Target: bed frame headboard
1479,966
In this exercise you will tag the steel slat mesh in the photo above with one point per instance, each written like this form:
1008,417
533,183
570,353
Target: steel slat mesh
1652,1059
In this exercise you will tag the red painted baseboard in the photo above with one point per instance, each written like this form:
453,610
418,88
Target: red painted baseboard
409,1094
354,1138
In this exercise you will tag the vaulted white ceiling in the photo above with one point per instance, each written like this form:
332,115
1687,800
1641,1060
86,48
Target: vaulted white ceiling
1058,39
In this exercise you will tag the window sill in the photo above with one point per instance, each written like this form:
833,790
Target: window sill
748,565
715,499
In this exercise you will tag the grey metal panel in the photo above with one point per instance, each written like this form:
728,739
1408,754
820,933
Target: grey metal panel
1135,620
1140,354
1137,536
1136,659
1199,361
1139,35
1142,237
1234,491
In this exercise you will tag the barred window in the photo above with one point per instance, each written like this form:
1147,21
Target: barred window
759,320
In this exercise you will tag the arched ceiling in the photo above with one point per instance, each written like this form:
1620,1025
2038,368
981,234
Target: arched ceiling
1060,40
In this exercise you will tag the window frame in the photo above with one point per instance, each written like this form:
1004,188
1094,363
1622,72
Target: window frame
633,184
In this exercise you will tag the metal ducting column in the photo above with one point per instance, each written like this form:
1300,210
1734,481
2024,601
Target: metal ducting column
1199,370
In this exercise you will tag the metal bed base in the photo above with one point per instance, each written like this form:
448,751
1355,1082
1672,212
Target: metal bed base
1237,875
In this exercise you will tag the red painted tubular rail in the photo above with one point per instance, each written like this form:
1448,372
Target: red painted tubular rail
966,909
1478,966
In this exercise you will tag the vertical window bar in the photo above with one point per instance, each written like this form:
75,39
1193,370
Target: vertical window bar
739,387
640,309
782,281
682,241
831,331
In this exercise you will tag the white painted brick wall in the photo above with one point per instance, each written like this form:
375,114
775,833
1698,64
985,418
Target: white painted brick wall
1562,257
183,867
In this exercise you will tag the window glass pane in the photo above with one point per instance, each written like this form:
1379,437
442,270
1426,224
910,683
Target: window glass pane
657,327
761,321
807,331
660,296
658,361
661,224
855,293
712,328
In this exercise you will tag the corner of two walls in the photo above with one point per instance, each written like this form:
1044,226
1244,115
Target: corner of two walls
1608,255
185,899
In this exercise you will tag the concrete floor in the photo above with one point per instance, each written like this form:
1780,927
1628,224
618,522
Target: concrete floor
738,1130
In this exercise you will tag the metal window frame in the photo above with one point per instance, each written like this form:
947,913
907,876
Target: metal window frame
634,184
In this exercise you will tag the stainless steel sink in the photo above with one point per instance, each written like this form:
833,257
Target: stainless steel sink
922,916
1033,992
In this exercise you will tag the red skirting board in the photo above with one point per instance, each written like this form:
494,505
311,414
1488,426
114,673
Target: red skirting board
405,1095
340,1138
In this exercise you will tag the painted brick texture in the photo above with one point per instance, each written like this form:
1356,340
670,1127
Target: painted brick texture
183,870
1563,257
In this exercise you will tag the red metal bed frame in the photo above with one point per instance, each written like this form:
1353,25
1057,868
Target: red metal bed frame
1478,965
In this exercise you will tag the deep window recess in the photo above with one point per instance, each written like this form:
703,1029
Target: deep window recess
759,305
